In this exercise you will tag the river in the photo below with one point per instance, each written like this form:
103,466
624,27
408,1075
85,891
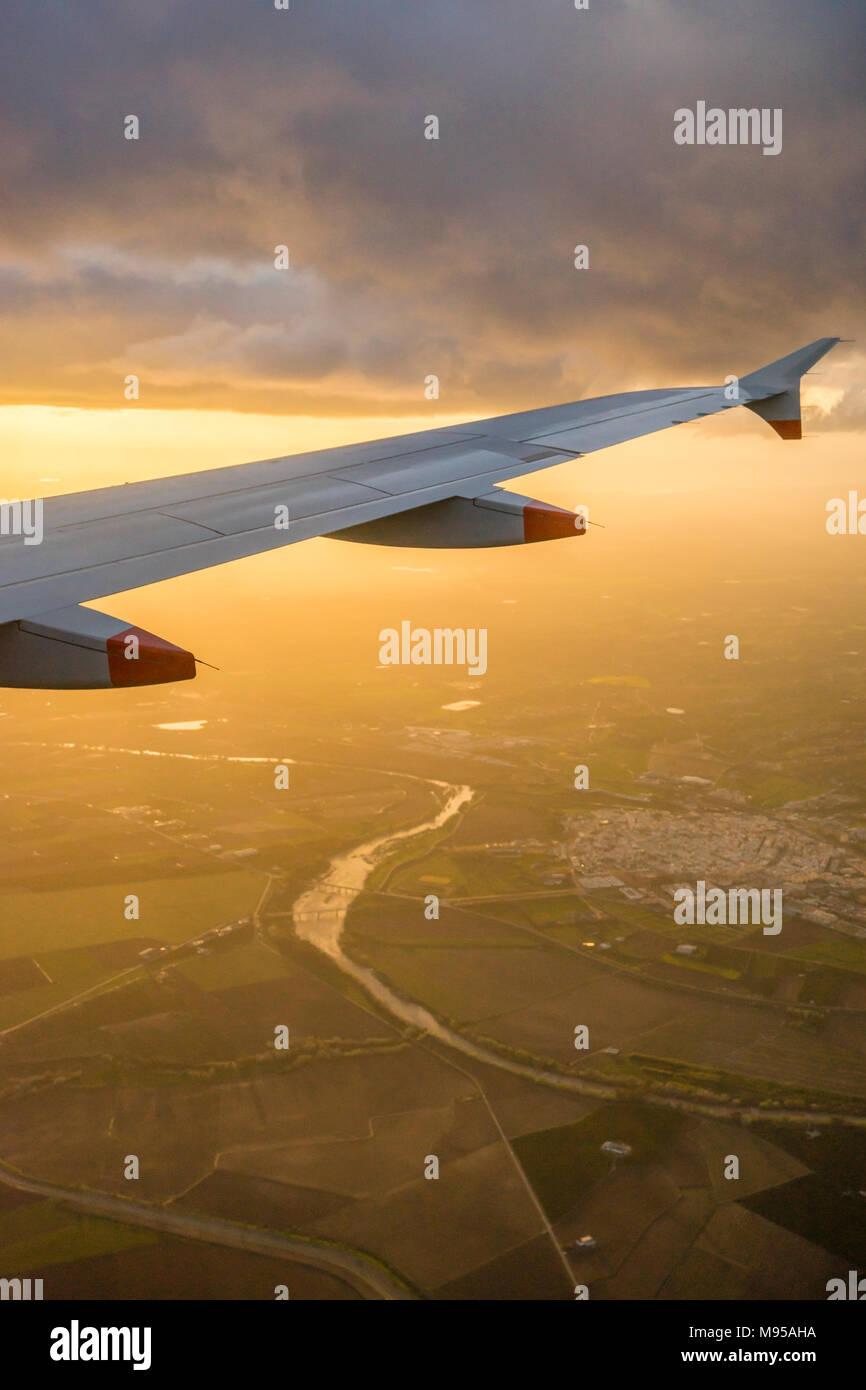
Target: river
320,915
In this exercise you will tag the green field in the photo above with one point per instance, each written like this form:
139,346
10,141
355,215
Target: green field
776,790
469,983
378,920
544,914
815,1209
464,875
247,964
845,955
702,965
72,972
42,925
171,909
563,1163
46,1233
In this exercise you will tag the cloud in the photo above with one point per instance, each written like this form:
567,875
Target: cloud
411,256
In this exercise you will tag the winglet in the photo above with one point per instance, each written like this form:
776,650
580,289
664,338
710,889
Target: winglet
775,389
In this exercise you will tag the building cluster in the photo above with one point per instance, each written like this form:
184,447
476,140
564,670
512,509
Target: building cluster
229,934
647,854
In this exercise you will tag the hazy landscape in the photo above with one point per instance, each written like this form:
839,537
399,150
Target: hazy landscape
555,913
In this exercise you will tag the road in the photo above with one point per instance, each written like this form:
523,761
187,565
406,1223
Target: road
364,1274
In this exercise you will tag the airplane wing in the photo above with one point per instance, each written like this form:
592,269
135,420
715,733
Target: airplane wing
433,488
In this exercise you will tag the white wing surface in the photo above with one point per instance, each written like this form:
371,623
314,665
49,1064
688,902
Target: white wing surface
439,486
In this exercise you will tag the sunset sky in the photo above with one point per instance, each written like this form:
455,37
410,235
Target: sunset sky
412,257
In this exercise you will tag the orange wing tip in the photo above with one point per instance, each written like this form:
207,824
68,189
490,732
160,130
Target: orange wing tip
542,522
136,657
787,429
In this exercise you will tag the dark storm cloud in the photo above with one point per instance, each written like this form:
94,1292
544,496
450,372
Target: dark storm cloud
412,256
